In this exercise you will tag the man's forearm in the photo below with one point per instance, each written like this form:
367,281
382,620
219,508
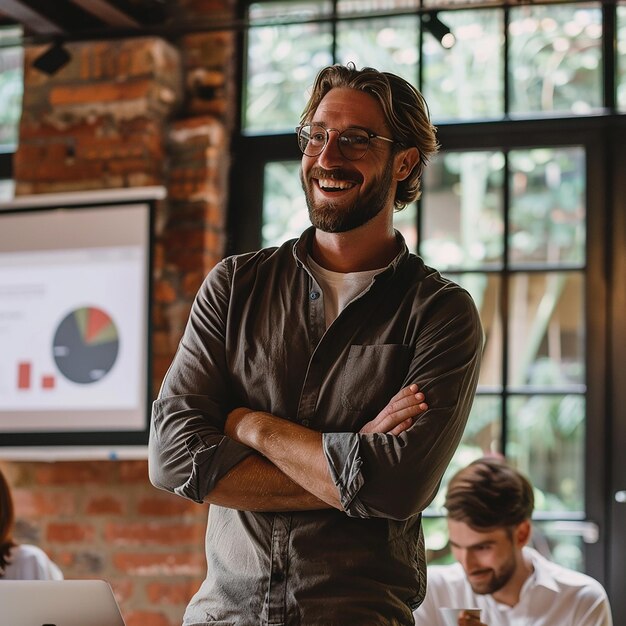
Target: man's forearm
295,450
256,484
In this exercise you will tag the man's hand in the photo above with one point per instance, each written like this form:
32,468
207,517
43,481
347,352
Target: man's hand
399,414
395,418
466,619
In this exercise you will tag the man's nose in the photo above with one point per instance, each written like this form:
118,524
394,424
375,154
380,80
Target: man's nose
331,155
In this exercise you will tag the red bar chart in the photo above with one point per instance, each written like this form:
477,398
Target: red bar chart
25,377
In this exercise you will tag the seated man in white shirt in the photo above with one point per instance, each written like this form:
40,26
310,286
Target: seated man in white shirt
489,506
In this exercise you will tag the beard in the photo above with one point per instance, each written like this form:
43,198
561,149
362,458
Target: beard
498,579
331,217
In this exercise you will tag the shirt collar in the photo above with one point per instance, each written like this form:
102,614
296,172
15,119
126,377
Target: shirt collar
542,575
302,248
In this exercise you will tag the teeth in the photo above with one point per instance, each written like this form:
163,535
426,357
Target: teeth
328,183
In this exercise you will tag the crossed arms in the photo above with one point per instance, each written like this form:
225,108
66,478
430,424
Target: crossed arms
209,442
291,472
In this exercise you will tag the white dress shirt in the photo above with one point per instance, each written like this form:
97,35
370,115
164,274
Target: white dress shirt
30,563
551,596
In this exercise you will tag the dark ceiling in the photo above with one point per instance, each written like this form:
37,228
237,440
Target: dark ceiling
85,19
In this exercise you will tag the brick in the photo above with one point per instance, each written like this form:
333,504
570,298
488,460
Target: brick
133,472
117,146
104,505
192,282
141,179
52,170
172,592
218,107
128,165
146,618
103,92
77,473
69,532
36,503
80,563
164,291
123,589
208,49
186,260
201,128
169,505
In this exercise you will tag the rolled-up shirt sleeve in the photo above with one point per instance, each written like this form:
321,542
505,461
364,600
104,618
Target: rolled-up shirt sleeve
188,451
382,475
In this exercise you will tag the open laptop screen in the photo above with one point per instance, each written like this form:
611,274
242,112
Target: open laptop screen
58,603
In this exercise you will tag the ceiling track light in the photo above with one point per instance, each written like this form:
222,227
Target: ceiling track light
53,59
440,31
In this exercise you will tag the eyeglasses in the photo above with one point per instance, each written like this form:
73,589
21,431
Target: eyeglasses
353,142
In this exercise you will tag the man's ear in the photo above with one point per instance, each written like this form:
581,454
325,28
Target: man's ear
522,533
405,162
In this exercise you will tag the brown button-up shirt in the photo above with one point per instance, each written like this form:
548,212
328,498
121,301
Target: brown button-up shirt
257,337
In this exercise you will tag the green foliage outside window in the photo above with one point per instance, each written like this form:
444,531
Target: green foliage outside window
11,88
555,59
621,57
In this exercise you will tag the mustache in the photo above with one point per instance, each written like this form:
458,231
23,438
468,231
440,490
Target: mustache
336,174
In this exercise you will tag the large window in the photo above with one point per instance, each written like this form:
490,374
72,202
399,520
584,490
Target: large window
515,208
470,64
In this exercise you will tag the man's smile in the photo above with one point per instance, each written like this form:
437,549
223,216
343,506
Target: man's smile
329,184
334,181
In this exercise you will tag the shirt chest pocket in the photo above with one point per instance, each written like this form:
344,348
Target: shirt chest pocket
372,375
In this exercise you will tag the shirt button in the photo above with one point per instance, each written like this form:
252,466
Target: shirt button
314,295
278,577
305,422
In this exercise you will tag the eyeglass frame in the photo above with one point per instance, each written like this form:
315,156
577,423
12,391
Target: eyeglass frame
370,135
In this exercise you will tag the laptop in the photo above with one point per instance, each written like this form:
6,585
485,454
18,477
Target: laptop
58,603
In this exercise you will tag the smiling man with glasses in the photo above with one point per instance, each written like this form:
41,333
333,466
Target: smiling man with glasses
296,403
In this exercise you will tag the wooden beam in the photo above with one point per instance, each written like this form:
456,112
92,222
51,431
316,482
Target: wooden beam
32,21
108,13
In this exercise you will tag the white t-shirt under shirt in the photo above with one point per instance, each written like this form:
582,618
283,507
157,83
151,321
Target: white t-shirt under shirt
552,596
340,289
30,563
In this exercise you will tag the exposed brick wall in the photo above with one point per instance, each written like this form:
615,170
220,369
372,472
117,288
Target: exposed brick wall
98,123
103,520
125,114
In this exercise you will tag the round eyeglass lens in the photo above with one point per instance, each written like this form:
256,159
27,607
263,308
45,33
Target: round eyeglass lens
312,139
353,142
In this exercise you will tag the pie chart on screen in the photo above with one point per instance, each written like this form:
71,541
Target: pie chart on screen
85,345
